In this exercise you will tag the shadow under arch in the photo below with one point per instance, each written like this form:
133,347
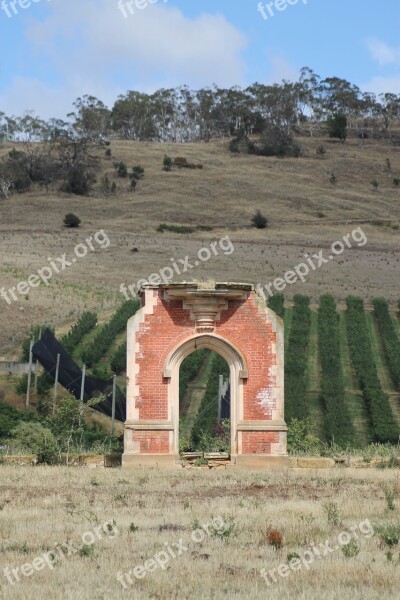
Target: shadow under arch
238,372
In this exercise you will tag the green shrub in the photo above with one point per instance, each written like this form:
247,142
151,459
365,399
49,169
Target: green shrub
259,221
332,513
137,172
299,441
86,322
121,168
78,181
276,303
337,421
118,359
38,440
106,336
390,339
385,428
71,220
351,549
296,360
167,163
10,418
389,497
389,534
337,126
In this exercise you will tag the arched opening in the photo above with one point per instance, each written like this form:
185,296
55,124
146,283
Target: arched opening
204,403
236,366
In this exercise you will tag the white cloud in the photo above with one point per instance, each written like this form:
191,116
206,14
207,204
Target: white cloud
93,49
383,53
381,85
281,69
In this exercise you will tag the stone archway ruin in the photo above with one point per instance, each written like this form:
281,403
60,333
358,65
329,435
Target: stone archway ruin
234,321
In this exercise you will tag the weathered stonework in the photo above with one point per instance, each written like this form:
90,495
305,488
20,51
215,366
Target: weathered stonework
231,319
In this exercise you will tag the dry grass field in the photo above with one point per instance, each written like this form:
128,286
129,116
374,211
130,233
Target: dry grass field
306,214
67,510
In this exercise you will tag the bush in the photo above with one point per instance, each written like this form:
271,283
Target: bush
37,439
86,322
337,126
278,141
78,181
71,220
276,303
259,221
44,383
102,372
299,441
121,168
390,339
137,172
389,534
296,359
337,421
385,428
10,418
167,163
118,359
108,153
106,336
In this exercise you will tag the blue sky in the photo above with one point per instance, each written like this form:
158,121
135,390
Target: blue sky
55,50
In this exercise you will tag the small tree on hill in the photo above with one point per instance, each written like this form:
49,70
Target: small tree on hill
71,220
167,163
259,221
337,126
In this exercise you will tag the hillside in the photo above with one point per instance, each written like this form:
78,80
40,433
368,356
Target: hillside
306,214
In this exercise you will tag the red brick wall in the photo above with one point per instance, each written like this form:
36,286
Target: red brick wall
152,442
258,442
169,326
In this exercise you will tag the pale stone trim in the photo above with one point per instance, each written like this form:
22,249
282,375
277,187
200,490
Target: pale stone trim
132,366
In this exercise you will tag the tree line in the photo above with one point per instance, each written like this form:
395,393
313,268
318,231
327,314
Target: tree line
185,115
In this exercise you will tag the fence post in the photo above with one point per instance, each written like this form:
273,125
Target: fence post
28,388
56,384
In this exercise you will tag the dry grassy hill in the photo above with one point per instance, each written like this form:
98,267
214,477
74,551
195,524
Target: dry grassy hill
306,214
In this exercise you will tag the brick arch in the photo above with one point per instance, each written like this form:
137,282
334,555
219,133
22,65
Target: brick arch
238,372
234,321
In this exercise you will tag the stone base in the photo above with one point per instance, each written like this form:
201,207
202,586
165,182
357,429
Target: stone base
259,462
158,461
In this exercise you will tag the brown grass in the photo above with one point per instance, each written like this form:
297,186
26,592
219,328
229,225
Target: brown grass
41,506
